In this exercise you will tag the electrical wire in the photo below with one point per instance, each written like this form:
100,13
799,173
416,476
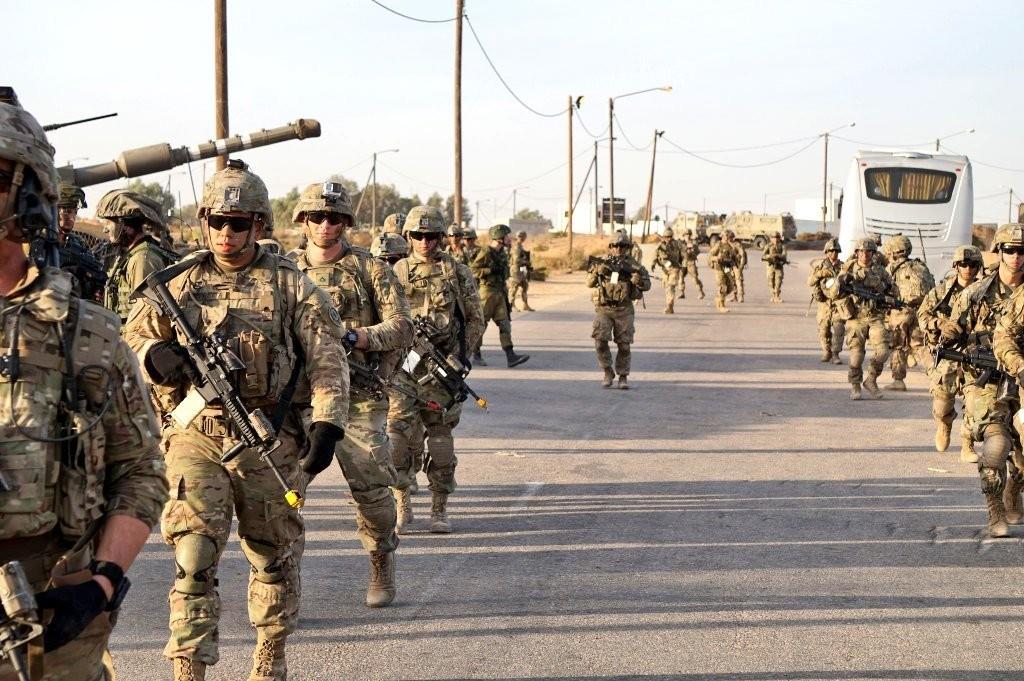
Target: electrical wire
742,165
587,130
412,179
982,163
626,137
1003,194
406,16
878,144
756,146
529,179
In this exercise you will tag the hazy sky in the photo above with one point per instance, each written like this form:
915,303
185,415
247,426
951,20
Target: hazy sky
743,73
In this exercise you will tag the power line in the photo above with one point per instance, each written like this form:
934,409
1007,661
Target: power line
756,146
625,137
982,163
530,179
741,165
406,16
879,144
587,130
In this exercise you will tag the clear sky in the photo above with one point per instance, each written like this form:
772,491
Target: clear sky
743,74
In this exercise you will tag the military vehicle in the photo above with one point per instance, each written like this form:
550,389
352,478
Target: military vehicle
756,229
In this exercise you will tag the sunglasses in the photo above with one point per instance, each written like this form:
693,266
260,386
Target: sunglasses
234,223
969,265
318,216
424,236
1012,250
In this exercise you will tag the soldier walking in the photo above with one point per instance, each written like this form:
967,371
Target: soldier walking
775,259
519,274
831,324
691,249
723,259
491,268
912,280
669,257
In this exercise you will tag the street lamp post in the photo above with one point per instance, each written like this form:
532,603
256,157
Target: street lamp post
946,137
514,192
373,173
824,179
611,143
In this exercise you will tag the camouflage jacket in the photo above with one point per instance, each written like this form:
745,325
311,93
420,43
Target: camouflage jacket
615,290
691,249
444,291
461,255
873,278
928,318
366,294
822,270
115,465
774,256
128,271
490,267
912,279
976,310
272,316
723,256
519,263
669,255
1009,333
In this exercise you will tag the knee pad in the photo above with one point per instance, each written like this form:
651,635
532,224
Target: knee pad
268,563
995,446
992,479
195,559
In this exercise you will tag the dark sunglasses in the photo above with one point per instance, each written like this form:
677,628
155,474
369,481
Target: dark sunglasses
424,236
965,263
234,223
318,216
1012,250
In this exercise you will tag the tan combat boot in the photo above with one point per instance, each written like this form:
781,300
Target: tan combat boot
942,431
1012,502
835,358
997,527
669,309
382,579
623,383
268,663
967,453
871,385
609,376
720,305
898,385
439,514
855,391
187,669
403,504
826,356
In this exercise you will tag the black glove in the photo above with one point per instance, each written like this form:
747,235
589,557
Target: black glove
319,450
74,608
167,362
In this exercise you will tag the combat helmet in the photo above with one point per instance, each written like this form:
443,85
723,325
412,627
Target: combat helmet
393,223
121,203
389,247
327,196
898,243
832,245
454,230
71,197
424,219
729,233
469,234
868,244
967,254
621,239
499,232
1010,233
23,141
521,234
668,233
235,188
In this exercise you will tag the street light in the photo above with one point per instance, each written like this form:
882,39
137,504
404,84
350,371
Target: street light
597,187
824,179
611,142
514,200
373,213
946,137
77,158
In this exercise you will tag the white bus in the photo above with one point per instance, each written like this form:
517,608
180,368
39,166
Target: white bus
927,198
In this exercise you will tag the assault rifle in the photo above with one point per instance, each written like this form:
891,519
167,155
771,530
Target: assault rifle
19,617
775,260
615,263
980,358
214,364
881,299
943,307
367,380
449,373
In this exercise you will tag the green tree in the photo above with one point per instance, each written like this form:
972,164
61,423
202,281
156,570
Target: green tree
283,207
449,210
155,191
528,214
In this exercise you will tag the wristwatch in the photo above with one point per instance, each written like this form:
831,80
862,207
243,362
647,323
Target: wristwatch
350,339
115,574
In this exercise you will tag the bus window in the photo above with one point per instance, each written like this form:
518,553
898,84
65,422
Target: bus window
909,185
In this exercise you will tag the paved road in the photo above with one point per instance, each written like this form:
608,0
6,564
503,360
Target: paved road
734,516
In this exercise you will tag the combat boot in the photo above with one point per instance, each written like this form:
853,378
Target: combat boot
720,305
871,385
403,504
187,669
514,360
1012,502
669,309
623,384
898,385
942,431
609,376
268,663
382,579
826,356
682,295
835,359
967,453
997,527
439,514
855,391
702,294
478,359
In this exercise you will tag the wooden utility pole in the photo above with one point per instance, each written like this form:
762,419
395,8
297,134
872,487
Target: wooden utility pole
650,184
373,210
824,190
459,9
568,211
220,63
597,196
611,164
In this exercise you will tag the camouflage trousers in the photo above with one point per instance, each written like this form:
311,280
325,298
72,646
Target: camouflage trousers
496,310
831,329
907,338
945,383
690,268
519,286
726,278
739,283
860,331
616,324
197,521
439,460
987,418
365,459
775,276
672,278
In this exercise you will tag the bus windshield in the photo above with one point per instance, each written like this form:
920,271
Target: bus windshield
909,185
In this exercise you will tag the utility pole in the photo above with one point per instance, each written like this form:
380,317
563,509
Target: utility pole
568,210
373,201
514,203
824,189
459,10
665,217
597,196
477,215
611,163
220,70
1009,209
650,183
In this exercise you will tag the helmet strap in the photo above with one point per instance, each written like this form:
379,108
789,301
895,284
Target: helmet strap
12,199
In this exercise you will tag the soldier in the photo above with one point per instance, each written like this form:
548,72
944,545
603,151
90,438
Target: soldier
72,200
618,281
723,259
454,244
670,258
375,315
865,317
137,254
76,258
947,378
691,249
831,325
83,470
983,316
469,247
442,290
729,237
393,224
390,248
519,277
912,280
490,266
289,336
775,259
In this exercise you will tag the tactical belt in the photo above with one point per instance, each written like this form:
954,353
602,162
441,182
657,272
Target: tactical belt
215,426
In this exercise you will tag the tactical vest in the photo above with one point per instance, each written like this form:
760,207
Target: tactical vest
913,280
618,294
118,297
54,485
433,291
669,255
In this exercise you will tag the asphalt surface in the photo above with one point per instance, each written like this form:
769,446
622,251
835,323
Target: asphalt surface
733,516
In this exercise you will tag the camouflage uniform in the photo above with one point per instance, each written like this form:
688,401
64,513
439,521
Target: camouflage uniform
865,321
669,257
287,333
912,280
724,259
831,325
775,259
469,248
691,249
741,265
442,290
491,268
519,274
63,494
140,259
613,296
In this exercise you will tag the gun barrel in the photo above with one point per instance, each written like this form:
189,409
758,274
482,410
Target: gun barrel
58,126
159,157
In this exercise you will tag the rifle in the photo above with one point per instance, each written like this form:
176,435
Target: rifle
980,358
943,307
616,263
19,617
214,365
368,381
881,299
450,374
85,267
